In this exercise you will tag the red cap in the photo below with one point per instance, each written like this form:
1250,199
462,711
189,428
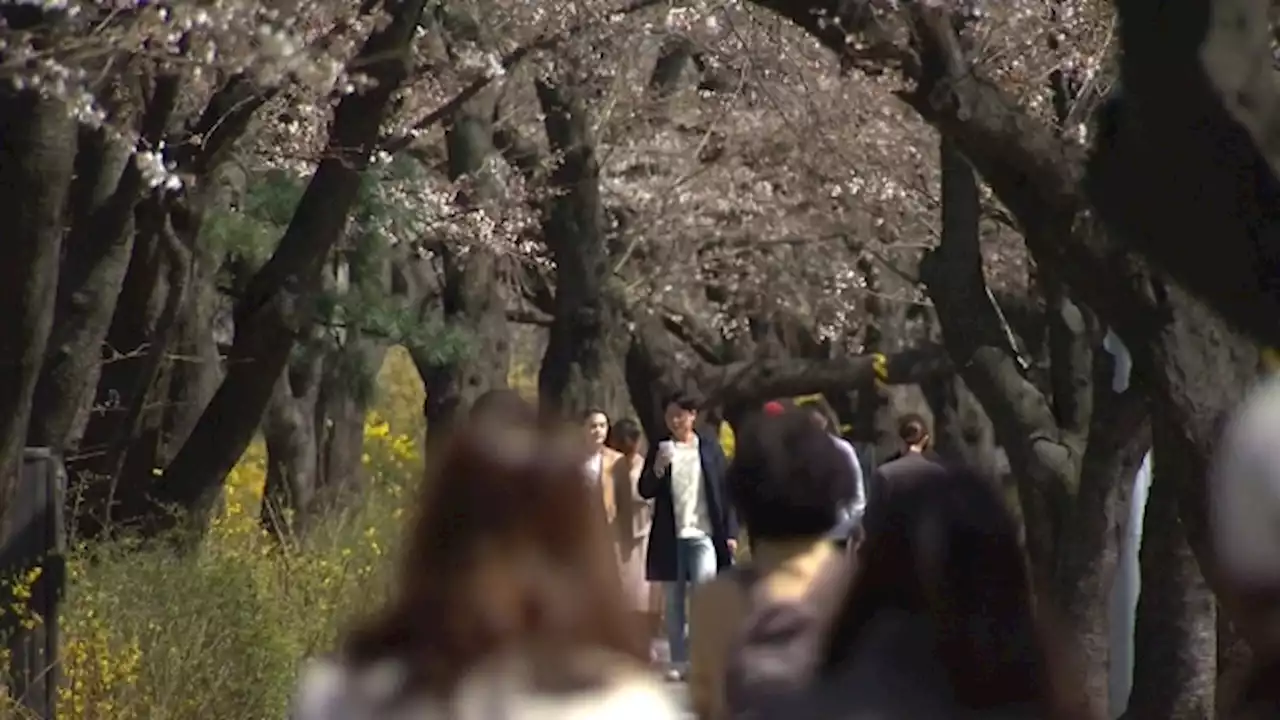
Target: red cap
773,407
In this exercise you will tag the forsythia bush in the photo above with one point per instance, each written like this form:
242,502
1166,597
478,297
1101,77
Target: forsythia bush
149,634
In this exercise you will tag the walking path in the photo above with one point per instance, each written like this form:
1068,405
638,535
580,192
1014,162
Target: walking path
680,693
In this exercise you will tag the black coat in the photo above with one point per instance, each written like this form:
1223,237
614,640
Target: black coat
660,565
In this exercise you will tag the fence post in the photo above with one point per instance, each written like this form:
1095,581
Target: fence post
37,540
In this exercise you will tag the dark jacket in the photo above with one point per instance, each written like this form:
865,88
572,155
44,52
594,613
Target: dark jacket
904,466
660,565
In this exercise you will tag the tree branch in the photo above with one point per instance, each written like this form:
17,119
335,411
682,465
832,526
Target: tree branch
507,62
1045,458
702,341
223,121
529,316
754,382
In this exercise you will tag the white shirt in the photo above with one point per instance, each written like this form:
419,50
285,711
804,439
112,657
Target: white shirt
859,503
594,467
688,495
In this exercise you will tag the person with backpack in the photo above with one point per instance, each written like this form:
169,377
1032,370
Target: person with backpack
756,629
939,619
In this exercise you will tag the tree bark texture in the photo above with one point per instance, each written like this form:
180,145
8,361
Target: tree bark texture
583,364
37,156
1184,167
472,297
113,471
1175,642
290,430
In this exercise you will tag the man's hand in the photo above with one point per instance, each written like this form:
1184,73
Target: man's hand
661,463
733,546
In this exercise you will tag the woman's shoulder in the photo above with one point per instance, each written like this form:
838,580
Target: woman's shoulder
502,688
631,692
330,689
620,689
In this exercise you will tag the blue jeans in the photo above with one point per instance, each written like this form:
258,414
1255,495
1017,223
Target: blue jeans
695,563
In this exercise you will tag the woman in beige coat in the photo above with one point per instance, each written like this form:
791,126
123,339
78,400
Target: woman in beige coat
631,523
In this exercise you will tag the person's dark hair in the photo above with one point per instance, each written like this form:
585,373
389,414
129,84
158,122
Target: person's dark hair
941,543
913,428
623,432
508,550
820,407
586,414
503,402
686,401
787,478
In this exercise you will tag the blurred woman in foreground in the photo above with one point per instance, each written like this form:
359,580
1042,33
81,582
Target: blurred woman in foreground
939,619
509,603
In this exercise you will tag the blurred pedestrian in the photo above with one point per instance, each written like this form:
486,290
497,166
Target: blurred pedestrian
916,455
756,630
850,513
1244,495
508,603
632,521
600,464
939,621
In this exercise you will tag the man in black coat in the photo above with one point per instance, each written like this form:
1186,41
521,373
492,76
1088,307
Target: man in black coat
694,532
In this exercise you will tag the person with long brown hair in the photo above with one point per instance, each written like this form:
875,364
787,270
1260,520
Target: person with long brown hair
508,602
632,521
939,620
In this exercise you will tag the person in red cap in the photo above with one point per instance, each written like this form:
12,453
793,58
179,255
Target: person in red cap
774,408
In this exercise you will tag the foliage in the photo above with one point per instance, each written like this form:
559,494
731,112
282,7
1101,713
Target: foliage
150,634
401,394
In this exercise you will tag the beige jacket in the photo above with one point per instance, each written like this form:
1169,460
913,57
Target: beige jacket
718,609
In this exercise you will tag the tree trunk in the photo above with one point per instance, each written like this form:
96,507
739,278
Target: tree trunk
340,416
1184,167
113,472
1201,369
1176,637
875,416
471,295
1088,554
276,305
1074,454
961,429
195,365
289,427
37,154
653,370
582,367
105,192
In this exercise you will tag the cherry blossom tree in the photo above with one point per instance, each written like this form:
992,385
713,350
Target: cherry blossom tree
1193,365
